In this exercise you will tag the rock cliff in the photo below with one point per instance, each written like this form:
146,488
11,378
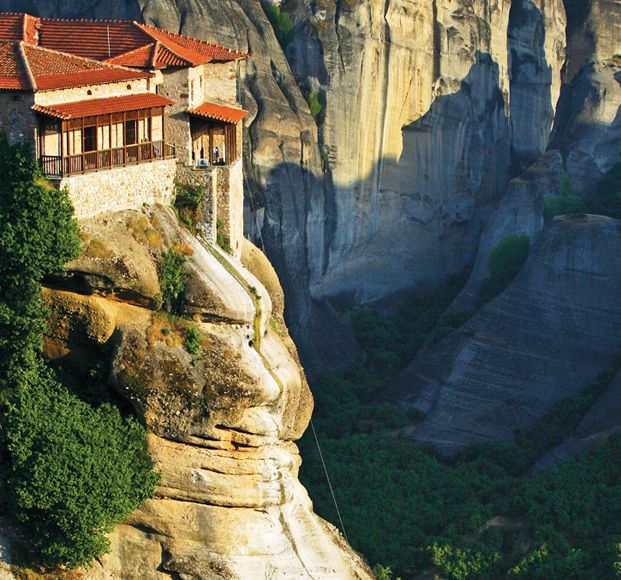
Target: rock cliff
557,326
221,421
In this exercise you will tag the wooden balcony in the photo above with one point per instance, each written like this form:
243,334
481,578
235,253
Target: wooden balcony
57,166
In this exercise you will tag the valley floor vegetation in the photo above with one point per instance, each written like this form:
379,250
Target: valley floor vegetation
480,515
73,462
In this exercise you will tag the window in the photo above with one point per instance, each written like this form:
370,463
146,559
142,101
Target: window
159,89
131,133
90,139
191,91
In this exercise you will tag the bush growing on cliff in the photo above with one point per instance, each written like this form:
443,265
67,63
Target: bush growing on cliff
172,279
505,262
564,203
75,470
37,236
281,22
70,470
314,103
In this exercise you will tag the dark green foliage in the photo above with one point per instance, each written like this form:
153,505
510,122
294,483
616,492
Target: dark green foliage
505,262
465,563
38,233
413,512
37,236
607,198
188,201
565,202
281,22
188,194
172,279
75,470
193,340
69,470
222,239
314,103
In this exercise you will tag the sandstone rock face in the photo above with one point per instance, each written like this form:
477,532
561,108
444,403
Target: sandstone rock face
554,328
221,421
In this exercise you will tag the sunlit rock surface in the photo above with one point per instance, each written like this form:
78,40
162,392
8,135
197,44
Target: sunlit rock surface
221,421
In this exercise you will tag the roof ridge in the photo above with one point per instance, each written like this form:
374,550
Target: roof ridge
141,26
194,38
24,61
155,50
98,20
102,63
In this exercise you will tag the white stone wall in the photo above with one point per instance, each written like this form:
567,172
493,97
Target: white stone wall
175,86
236,196
122,188
97,92
220,83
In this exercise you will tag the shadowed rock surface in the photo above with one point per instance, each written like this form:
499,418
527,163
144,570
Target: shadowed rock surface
555,327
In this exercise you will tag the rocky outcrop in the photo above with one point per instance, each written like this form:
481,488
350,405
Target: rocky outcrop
584,145
221,417
552,330
598,425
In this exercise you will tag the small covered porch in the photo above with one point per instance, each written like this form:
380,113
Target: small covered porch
215,134
98,134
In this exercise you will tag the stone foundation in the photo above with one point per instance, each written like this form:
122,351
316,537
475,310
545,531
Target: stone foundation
122,188
223,201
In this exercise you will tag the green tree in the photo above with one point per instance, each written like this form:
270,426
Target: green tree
281,22
314,103
75,470
565,202
70,469
172,279
505,262
38,234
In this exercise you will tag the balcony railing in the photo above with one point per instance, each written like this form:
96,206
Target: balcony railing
57,166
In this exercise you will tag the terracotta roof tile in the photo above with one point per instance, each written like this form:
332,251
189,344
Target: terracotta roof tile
31,25
216,52
12,73
89,38
117,41
104,106
11,26
32,68
219,112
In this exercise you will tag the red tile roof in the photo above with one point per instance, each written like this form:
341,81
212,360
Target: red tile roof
104,106
214,52
123,42
12,71
32,68
15,26
219,112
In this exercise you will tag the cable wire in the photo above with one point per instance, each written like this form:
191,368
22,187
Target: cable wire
325,469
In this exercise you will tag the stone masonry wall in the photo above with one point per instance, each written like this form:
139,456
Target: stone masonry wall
17,119
205,178
220,83
176,87
122,188
229,183
121,89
